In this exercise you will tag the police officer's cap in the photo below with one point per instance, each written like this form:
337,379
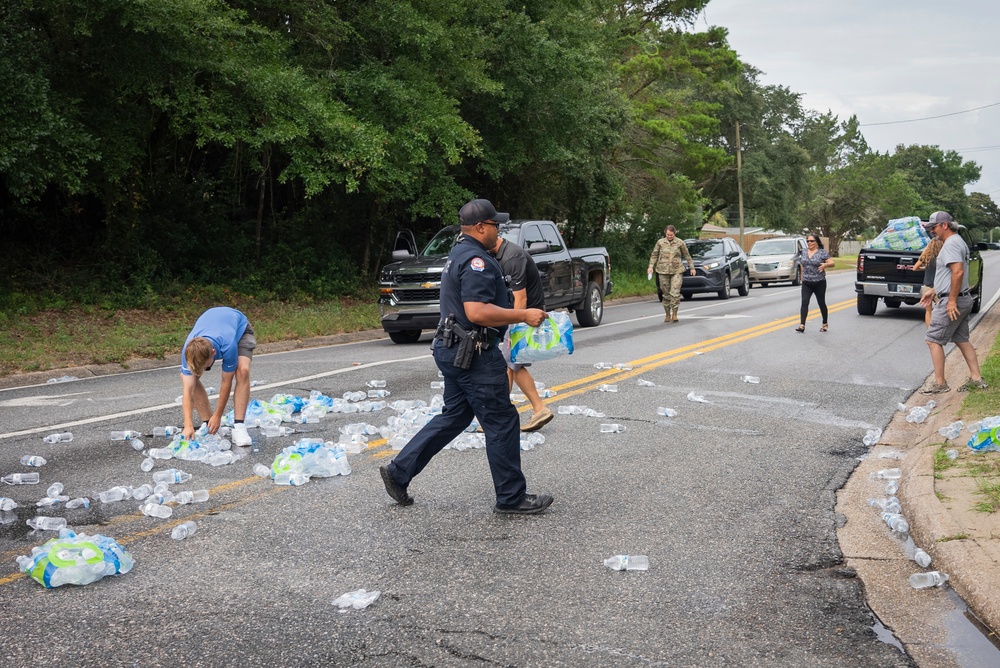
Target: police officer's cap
479,210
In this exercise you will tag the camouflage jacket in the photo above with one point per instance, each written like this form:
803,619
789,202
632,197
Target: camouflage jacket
666,257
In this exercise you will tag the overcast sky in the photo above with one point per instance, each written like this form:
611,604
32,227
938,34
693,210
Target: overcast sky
883,60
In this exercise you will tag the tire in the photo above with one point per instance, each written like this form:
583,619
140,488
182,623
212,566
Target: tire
798,276
867,304
727,286
686,295
744,289
407,336
893,303
591,309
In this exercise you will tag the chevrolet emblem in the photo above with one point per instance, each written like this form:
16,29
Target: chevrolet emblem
428,285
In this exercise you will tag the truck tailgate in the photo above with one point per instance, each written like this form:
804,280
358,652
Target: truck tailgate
892,267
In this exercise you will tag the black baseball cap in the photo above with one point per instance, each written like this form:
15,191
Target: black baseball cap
479,210
939,217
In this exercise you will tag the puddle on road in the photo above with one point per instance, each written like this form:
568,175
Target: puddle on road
884,634
971,641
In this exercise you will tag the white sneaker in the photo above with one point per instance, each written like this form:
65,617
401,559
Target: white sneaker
240,436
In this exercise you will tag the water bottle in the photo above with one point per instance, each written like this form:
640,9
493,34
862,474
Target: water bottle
889,505
124,435
888,474
612,428
871,437
750,379
547,394
289,478
590,412
375,383
166,431
378,394
951,431
64,437
343,466
55,489
219,459
137,445
928,579
666,412
42,523
33,460
621,366
697,398
79,502
7,504
607,388
147,464
21,479
624,562
604,365
160,453
951,454
437,384
182,531
896,522
569,410
142,491
157,510
117,493
171,476
189,496
645,383
922,558
262,470
892,487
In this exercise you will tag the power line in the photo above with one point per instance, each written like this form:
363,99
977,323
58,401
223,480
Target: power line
929,118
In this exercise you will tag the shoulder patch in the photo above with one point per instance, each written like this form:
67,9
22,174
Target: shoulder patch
477,264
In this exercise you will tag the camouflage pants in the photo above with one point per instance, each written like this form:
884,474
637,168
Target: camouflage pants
670,286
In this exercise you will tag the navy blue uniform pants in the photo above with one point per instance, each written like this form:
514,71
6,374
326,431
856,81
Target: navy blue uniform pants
481,391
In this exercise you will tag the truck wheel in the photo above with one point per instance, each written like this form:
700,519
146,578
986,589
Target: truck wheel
867,304
591,310
744,289
893,303
687,295
797,279
407,336
727,286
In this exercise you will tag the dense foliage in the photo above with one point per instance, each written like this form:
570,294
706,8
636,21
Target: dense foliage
277,147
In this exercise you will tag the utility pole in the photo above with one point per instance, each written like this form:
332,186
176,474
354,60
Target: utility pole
739,178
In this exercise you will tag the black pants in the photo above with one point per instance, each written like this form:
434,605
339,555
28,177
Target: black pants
808,290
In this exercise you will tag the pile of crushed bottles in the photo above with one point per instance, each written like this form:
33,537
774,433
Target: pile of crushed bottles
75,559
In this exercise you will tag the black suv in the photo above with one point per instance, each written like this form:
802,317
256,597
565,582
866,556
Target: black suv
720,265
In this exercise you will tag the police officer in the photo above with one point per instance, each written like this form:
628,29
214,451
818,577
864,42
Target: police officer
666,261
474,292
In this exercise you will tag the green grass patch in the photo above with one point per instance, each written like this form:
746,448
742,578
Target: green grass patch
941,461
991,490
957,536
985,403
845,262
633,284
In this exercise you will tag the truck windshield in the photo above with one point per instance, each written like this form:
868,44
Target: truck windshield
706,248
442,242
773,247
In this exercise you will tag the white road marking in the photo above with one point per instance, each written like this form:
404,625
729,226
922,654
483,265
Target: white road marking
41,400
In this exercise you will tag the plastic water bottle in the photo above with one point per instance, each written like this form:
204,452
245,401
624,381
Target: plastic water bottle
888,474
262,470
157,510
182,531
437,384
607,388
289,478
42,523
378,394
219,459
951,454
160,453
189,496
928,579
697,398
922,558
896,522
889,504
64,437
604,365
167,432
171,476
666,412
33,460
147,464
621,366
645,383
750,379
568,410
375,383
7,504
272,431
952,431
117,493
142,491
137,445
20,479
871,437
624,562
124,435
79,502
892,487
55,489
612,428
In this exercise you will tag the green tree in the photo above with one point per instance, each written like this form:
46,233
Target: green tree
939,177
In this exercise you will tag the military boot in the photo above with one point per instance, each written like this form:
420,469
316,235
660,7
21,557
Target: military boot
673,314
666,312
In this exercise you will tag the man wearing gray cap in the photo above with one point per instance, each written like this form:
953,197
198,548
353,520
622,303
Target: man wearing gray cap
950,316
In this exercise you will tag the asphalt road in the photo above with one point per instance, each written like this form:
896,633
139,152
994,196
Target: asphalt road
732,501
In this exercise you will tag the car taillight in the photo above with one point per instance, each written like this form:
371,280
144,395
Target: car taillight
861,263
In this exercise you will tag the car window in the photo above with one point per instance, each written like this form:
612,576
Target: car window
442,242
704,248
775,247
552,238
509,233
532,235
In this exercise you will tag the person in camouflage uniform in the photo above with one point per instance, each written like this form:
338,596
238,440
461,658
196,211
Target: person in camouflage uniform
666,262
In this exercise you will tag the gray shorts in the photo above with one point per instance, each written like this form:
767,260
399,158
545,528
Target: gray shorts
943,329
245,346
505,350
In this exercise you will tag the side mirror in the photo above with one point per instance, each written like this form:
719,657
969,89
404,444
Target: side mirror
538,247
398,255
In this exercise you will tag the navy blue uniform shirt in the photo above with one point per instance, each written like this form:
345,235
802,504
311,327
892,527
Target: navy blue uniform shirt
471,274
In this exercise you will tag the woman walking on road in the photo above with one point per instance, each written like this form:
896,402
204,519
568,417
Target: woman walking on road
814,260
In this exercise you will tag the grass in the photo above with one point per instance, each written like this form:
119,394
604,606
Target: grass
957,536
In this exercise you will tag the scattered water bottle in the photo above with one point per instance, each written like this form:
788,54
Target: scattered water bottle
192,496
896,522
262,470
624,562
21,479
55,489
547,394
666,412
604,365
288,478
900,407
219,459
623,367
255,383
160,453
272,430
892,487
167,432
42,523
437,384
79,502
922,558
7,504
147,464
375,383
137,445
568,410
64,437
124,435
928,579
888,504
142,491
952,431
182,531
607,388
871,437
917,414
157,510
357,600
951,454
888,474
116,493
645,383
612,428
33,460
171,476
697,398
378,394
750,379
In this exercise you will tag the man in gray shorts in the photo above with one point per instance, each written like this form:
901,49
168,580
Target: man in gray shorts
950,316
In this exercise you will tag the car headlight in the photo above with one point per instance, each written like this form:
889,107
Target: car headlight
712,265
785,264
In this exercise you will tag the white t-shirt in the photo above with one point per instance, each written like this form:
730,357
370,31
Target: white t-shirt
953,250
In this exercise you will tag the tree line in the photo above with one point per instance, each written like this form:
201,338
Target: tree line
277,146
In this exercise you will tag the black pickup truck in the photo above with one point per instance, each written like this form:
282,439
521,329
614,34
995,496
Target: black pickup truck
410,287
888,275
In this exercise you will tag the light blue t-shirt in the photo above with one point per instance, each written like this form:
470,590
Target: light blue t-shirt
223,327
953,250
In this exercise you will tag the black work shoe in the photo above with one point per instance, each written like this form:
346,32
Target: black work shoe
531,504
397,493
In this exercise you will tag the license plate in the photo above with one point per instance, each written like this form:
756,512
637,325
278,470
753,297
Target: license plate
904,288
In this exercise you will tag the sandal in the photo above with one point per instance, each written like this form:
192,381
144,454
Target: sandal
800,329
823,328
